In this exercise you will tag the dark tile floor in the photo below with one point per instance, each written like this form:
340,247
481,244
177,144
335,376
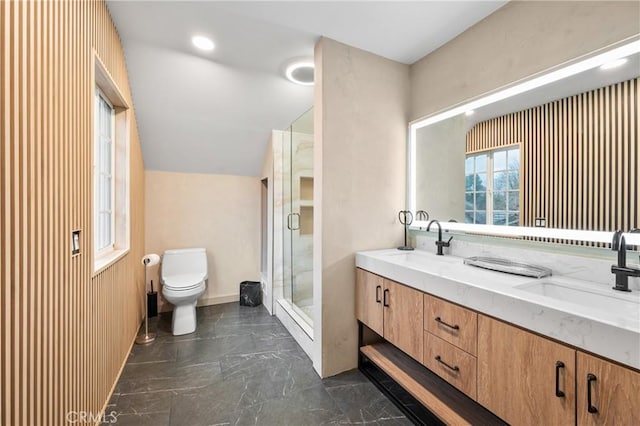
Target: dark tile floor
240,367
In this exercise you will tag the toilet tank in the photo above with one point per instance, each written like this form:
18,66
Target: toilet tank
184,261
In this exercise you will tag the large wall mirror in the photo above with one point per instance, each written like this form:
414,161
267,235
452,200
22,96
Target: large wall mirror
555,156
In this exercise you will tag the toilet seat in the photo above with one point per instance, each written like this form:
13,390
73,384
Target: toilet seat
183,282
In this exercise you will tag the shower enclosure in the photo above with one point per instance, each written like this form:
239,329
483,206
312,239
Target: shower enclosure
298,217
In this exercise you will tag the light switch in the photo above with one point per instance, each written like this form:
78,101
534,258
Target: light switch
75,242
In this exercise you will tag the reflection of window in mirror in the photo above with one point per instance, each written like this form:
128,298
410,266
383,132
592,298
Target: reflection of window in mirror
492,187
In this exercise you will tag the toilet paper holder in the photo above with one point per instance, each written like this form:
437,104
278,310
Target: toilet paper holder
146,338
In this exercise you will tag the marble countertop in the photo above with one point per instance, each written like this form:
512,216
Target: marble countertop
610,333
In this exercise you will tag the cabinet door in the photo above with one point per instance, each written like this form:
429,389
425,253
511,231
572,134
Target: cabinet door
517,375
403,318
369,289
615,393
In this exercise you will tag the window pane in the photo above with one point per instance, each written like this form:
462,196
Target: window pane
481,163
499,218
107,193
481,200
481,218
468,183
481,182
514,180
499,200
468,166
514,159
500,160
514,219
468,202
468,217
514,201
499,181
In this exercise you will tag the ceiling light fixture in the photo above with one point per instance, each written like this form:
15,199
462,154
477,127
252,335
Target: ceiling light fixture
614,64
301,72
470,112
202,43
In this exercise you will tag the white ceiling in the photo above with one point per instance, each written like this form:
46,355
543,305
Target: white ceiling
213,112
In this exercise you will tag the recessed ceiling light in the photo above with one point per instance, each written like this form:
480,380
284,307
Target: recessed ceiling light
301,72
202,43
614,64
470,112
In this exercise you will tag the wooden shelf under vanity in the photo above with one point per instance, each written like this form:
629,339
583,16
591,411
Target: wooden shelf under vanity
446,403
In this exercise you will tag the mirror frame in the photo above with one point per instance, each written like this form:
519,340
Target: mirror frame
583,63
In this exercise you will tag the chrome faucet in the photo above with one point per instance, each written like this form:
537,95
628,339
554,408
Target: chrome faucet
439,243
621,270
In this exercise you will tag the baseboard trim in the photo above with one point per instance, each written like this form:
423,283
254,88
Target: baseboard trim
217,300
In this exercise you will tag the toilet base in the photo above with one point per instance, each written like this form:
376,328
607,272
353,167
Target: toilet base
184,319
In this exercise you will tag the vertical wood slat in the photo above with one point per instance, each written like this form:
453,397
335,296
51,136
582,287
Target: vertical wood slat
580,158
61,347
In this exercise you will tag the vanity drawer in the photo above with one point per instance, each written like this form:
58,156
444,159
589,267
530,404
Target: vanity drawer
452,364
455,324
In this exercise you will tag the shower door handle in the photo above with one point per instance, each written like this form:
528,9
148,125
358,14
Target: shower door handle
289,221
298,222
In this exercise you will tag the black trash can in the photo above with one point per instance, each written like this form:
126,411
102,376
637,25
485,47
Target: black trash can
250,293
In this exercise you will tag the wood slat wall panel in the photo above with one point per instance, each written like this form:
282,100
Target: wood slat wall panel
65,333
579,158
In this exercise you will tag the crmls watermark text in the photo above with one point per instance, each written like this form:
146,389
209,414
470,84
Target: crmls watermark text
85,417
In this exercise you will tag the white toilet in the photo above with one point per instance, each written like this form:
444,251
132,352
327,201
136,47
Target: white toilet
183,275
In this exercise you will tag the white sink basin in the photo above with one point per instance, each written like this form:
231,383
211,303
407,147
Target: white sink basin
594,296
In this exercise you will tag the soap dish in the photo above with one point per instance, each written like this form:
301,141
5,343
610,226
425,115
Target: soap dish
508,266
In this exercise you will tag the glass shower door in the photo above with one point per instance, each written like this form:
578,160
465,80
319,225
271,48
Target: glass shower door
298,202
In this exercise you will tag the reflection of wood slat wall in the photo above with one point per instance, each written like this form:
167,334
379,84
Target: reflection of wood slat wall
579,158
65,334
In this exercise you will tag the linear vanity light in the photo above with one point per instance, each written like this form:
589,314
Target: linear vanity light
533,83
548,77
614,64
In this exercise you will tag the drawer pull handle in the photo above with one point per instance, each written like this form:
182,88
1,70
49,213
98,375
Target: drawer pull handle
378,288
559,393
590,408
385,298
454,327
454,368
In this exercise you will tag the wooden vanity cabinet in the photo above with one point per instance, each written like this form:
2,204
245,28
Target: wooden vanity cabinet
615,393
523,378
392,310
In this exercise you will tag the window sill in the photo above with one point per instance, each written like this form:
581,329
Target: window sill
108,259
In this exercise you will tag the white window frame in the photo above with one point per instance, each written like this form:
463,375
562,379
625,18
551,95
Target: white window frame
490,171
97,176
106,88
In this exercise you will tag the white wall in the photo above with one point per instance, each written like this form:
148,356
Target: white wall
218,212
518,40
361,114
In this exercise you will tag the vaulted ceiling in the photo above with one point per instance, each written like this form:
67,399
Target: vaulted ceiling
213,112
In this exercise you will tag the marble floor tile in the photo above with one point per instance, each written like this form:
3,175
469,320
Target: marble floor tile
240,367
